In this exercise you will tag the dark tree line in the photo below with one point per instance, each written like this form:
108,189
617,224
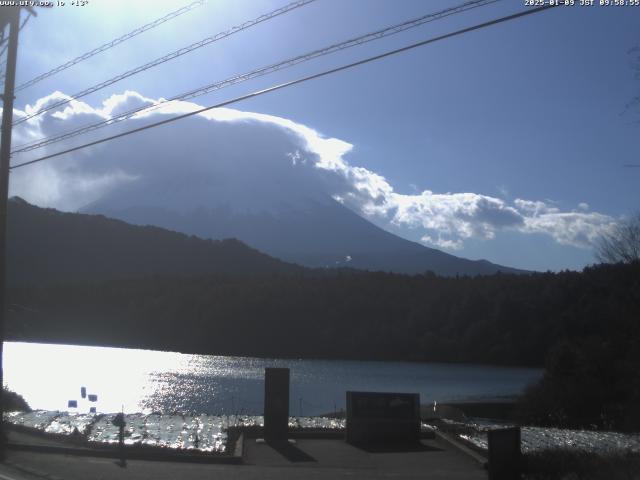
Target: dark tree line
585,326
501,319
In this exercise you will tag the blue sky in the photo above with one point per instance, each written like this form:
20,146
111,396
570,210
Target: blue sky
527,117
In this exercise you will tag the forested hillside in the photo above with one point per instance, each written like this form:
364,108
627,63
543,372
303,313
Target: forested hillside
46,247
501,319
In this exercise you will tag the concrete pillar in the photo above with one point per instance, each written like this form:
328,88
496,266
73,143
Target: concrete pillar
505,457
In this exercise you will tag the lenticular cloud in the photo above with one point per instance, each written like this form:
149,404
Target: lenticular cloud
252,162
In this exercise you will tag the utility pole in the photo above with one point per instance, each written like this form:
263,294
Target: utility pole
8,16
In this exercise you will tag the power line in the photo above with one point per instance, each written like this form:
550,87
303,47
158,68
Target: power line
260,72
24,22
170,56
3,40
6,45
376,35
112,43
291,83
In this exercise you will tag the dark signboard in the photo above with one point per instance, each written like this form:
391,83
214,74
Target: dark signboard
276,404
383,417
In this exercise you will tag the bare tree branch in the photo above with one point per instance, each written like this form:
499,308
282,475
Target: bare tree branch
622,243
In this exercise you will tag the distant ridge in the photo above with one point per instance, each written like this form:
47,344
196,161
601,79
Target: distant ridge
46,246
313,233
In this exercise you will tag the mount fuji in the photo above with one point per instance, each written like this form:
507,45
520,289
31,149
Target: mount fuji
275,202
279,186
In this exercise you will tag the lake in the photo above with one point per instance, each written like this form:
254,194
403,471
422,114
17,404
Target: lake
48,376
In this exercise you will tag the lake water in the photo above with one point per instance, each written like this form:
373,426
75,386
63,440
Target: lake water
48,376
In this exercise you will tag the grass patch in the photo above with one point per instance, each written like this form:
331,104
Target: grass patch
578,465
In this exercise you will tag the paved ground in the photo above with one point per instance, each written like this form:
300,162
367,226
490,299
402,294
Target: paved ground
432,459
35,439
307,458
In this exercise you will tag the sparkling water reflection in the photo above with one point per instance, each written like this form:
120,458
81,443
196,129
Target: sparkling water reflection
164,382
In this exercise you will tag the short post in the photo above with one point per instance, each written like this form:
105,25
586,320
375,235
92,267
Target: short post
119,422
276,404
505,456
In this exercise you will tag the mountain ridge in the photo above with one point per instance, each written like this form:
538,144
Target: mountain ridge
318,235
48,246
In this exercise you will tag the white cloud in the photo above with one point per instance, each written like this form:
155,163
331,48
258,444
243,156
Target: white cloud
250,154
66,190
534,208
570,228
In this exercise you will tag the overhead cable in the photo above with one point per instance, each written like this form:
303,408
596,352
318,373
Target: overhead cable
170,56
6,41
376,35
111,44
290,83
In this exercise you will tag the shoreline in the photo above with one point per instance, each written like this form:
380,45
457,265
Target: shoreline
494,410
257,356
498,409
